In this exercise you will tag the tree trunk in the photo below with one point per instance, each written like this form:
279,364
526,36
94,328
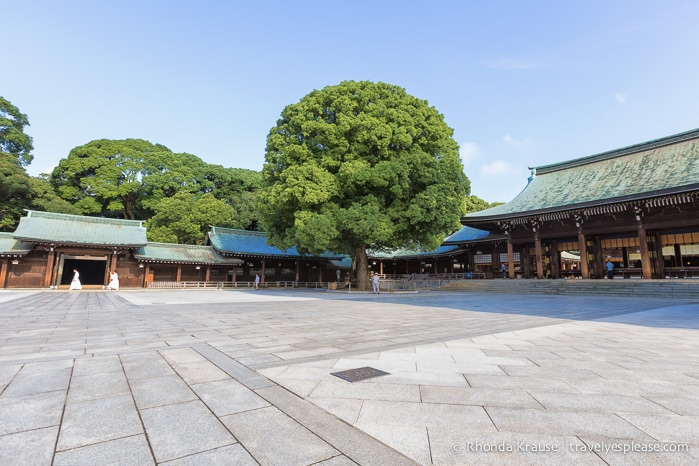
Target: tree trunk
361,266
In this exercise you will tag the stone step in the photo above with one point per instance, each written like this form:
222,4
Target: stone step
671,288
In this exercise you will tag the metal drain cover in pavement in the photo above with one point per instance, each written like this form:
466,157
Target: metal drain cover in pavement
355,375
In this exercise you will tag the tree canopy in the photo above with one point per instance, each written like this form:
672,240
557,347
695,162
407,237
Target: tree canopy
476,204
13,140
360,165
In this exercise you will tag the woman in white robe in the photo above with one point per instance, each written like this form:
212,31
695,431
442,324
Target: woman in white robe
113,281
75,283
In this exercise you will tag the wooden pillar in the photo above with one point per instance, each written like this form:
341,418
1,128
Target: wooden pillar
539,257
678,255
235,274
380,267
146,273
657,256
179,274
510,258
495,261
49,268
645,257
555,259
407,267
320,272
207,277
582,247
3,272
298,270
262,272
111,266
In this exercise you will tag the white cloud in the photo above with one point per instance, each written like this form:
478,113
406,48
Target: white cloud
469,152
499,168
518,143
620,97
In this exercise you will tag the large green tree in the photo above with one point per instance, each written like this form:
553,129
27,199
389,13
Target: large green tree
15,153
13,140
186,217
125,178
361,165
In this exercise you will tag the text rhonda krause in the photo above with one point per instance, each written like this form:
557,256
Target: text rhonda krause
577,447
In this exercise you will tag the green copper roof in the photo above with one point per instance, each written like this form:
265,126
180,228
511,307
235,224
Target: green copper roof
182,254
663,166
254,243
10,247
46,227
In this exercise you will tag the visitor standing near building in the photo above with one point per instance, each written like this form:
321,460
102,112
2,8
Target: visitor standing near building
257,282
610,269
75,283
113,281
375,283
503,270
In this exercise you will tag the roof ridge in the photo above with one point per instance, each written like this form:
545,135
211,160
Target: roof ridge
83,218
177,245
234,230
628,150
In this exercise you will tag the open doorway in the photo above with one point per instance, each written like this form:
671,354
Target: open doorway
92,269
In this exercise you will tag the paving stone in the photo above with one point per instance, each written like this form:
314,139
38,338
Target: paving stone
183,429
422,414
96,385
161,391
666,428
33,447
564,423
145,366
503,397
88,422
366,391
37,378
273,438
99,365
228,397
27,412
597,403
224,456
129,450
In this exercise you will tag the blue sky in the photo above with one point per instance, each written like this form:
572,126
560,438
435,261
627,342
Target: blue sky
522,83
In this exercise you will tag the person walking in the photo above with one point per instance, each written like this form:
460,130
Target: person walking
375,283
503,270
257,282
75,283
610,269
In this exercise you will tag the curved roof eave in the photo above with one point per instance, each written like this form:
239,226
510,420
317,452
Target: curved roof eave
468,220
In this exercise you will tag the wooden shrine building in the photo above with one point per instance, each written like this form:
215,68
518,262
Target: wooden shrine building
637,207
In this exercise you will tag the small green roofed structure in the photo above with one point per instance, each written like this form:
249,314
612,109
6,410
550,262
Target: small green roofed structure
76,230
168,253
10,247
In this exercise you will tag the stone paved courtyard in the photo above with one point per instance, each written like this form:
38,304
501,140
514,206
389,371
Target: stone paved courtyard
243,377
